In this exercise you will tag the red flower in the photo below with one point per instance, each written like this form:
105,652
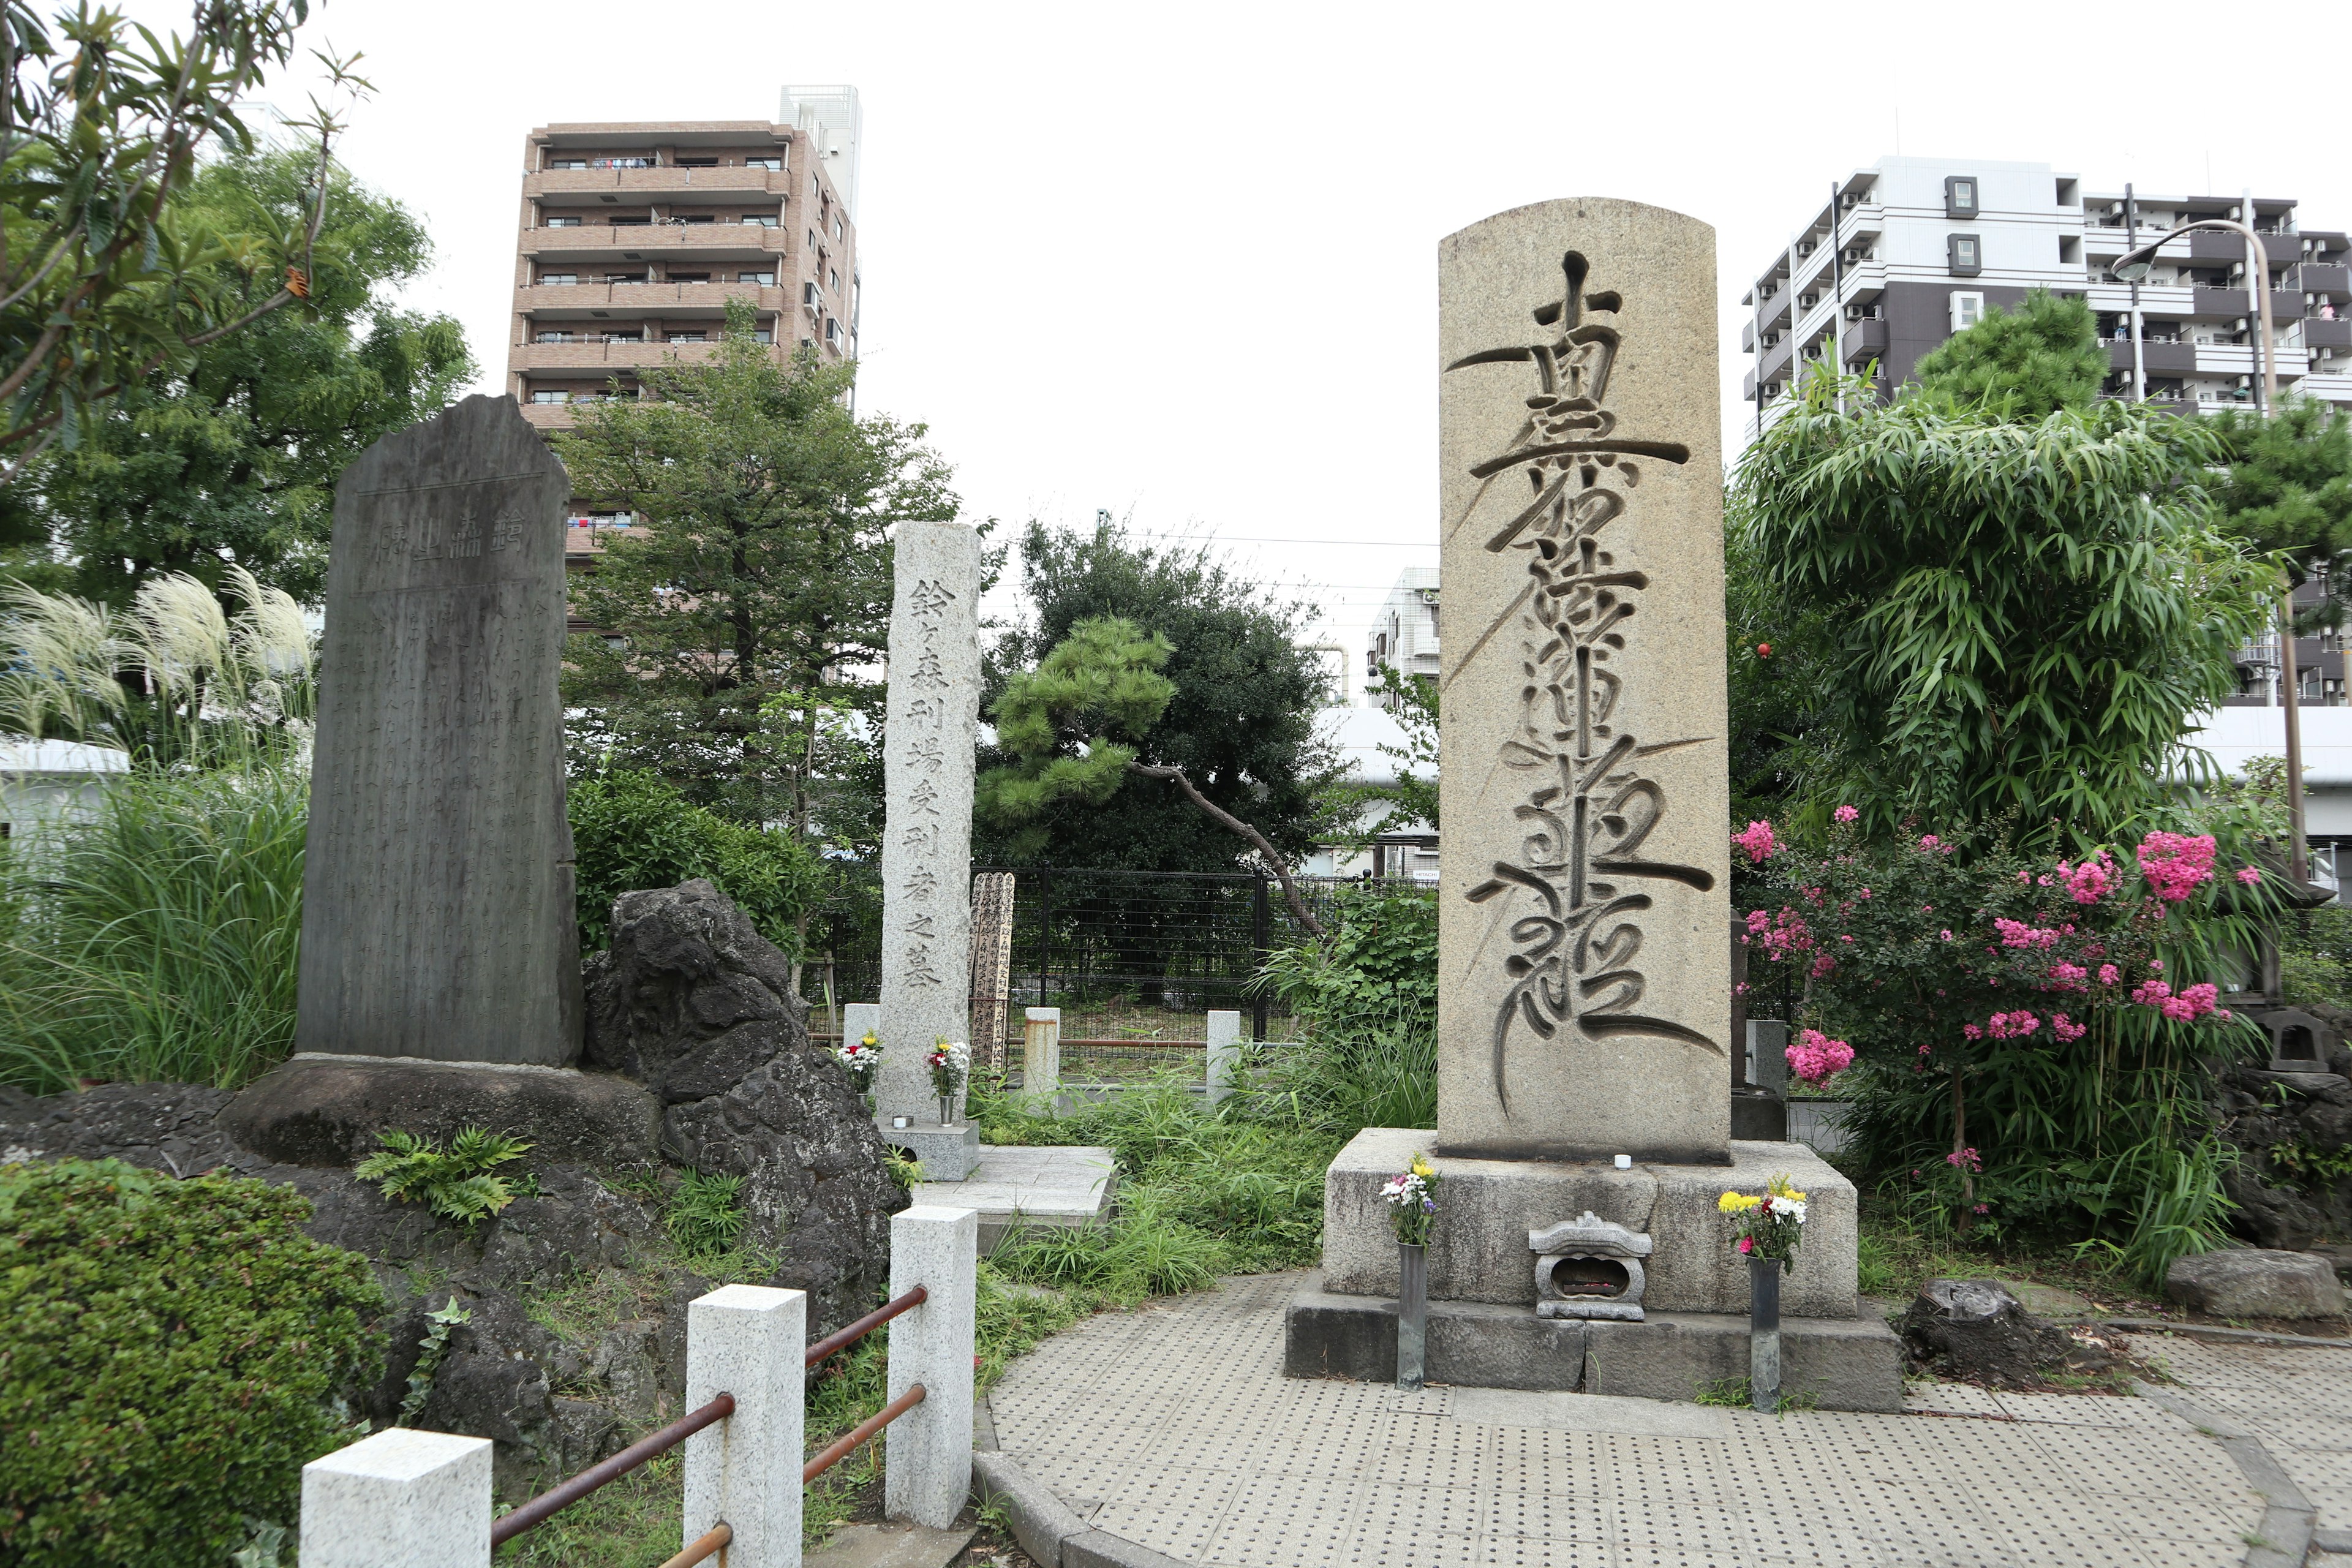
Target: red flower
1763,650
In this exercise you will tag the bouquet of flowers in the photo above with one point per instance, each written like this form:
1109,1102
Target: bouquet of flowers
859,1058
1412,1200
1769,1227
950,1065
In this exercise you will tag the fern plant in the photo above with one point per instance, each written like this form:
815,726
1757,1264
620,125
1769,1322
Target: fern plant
458,1184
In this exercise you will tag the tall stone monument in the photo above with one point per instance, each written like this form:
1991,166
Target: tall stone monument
438,914
933,725
1583,1118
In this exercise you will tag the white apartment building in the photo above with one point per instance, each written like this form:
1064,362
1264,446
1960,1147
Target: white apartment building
1404,628
1902,255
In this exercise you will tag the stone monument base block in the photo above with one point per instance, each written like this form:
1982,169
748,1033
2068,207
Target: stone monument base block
948,1153
1479,1252
1838,1363
330,1109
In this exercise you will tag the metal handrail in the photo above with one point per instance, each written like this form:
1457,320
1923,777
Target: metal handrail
562,1496
709,1544
841,1339
840,1447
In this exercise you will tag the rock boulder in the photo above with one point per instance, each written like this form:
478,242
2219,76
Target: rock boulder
2253,1282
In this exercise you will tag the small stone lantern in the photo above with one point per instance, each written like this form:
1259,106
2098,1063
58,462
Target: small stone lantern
1589,1268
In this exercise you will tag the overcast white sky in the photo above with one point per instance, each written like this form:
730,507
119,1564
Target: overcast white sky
1178,260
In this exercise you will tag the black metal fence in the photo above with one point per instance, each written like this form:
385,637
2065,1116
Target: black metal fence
1134,959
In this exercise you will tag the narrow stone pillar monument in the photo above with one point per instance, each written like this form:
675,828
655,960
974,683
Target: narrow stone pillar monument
933,726
438,914
1585,982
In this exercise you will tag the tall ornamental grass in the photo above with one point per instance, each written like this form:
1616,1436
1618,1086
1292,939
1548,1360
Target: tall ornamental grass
156,941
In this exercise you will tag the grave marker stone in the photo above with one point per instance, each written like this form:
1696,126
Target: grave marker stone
437,915
933,726
1584,983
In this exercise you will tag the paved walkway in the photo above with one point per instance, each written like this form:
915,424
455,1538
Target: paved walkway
1173,1427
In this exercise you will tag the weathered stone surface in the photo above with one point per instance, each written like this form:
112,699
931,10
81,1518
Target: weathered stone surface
1585,992
934,719
437,884
2251,1282
2278,1121
1478,1251
1844,1363
333,1109
162,1126
1976,1331
690,997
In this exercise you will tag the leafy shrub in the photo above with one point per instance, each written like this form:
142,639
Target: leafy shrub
1377,969
456,1185
706,1214
632,831
155,942
172,1358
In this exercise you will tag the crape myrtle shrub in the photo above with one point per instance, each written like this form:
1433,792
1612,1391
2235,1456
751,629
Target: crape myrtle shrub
2030,1031
172,1354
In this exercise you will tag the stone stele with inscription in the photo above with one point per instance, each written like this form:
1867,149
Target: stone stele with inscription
437,913
1585,983
933,726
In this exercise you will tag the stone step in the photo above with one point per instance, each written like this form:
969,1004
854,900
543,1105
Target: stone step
1017,1185
1841,1364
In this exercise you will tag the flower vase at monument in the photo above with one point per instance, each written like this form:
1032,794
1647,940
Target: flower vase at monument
1585,1065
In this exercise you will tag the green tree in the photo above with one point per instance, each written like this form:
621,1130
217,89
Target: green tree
1240,724
2041,356
106,277
1073,726
233,456
2288,492
760,588
2018,616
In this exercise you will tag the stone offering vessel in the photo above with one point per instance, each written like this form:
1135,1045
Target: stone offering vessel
437,915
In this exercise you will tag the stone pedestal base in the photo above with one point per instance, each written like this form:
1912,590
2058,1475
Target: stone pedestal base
948,1153
1841,1364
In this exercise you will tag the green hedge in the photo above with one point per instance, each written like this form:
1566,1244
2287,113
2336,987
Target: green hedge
170,1354
631,831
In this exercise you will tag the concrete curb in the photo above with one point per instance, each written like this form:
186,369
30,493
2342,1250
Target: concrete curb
2285,1537
1052,1535
2332,1540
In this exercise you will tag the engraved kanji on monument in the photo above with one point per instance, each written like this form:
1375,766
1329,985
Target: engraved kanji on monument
933,720
437,913
1585,982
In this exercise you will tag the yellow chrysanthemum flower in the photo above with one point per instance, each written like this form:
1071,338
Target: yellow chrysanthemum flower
1738,1203
1421,1165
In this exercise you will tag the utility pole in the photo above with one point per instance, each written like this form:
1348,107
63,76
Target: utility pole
2139,356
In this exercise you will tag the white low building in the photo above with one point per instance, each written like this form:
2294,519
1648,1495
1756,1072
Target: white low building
2234,736
49,781
1409,849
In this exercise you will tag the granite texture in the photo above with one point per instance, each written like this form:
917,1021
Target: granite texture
1478,1251
330,1109
2250,1282
1584,980
933,725
1842,1363
927,1454
747,1340
1041,1051
438,879
401,1499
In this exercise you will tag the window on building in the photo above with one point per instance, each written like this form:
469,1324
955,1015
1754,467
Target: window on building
764,334
572,222
559,280
1964,254
621,163
697,217
776,164
625,278
1960,195
809,292
761,220
567,162
620,220
552,338
836,228
811,244
833,331
1968,310
836,278
689,337
689,277
549,395
766,279
638,336
697,162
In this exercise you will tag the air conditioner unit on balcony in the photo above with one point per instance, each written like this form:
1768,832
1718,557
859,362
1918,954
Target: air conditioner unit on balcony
1856,253
1804,248
1807,301
1857,312
1850,199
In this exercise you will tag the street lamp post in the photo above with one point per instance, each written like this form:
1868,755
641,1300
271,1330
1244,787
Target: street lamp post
2131,268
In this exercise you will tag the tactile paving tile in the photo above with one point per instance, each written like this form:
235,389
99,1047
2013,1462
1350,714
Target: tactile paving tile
1522,1552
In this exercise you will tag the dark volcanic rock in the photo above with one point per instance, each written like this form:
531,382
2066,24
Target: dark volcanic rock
2278,1120
1974,1330
691,997
321,1110
162,1126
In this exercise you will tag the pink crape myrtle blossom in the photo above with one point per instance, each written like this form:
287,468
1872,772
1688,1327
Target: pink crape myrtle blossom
2011,1026
1845,814
2066,1029
1759,841
1965,1160
2017,934
2248,875
1815,1055
2175,863
2092,880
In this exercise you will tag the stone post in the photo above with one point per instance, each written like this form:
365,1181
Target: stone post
857,1018
1767,1039
1041,1051
401,1499
437,880
927,1457
933,726
747,1340
1584,889
1224,1053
